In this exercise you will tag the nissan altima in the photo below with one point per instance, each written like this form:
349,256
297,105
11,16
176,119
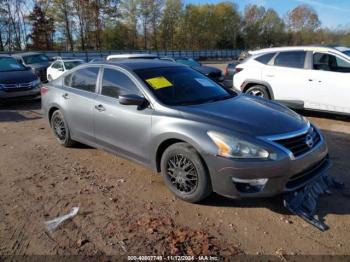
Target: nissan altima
200,136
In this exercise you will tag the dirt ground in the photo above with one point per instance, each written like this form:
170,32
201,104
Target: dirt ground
126,209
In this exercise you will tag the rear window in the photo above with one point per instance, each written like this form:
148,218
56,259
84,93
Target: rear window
295,59
265,59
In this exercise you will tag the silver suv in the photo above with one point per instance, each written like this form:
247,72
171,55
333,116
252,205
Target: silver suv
200,136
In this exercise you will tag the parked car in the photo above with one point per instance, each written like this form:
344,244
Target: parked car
16,80
60,66
38,62
313,78
97,59
119,57
212,72
199,135
229,72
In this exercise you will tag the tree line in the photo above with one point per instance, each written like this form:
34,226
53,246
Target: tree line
156,24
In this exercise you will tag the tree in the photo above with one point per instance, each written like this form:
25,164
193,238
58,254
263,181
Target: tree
42,30
302,18
63,13
273,29
252,25
170,22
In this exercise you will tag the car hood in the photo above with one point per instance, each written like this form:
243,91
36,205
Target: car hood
16,77
247,115
206,70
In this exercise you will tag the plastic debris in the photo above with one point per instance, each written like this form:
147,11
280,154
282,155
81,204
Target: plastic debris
303,201
51,225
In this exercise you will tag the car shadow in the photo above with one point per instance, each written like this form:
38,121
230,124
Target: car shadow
336,203
17,111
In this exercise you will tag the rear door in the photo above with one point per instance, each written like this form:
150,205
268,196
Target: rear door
78,100
124,129
287,77
329,82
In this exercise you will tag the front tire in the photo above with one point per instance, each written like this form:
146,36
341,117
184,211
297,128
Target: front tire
259,91
185,173
61,130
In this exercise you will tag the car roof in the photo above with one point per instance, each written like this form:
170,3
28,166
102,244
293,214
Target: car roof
28,53
139,64
130,55
293,48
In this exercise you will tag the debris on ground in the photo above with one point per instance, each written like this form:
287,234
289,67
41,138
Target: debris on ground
51,225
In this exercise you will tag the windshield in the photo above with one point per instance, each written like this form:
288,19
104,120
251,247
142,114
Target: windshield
71,64
182,86
189,62
35,59
8,64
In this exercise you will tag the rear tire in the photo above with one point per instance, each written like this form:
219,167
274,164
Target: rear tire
185,173
259,91
61,130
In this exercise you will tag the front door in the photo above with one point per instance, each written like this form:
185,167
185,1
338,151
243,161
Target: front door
329,81
124,129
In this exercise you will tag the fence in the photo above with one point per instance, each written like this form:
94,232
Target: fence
195,54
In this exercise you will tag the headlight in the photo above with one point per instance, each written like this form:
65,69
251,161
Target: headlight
232,147
36,82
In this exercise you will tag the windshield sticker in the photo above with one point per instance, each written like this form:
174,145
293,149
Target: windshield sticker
159,82
205,82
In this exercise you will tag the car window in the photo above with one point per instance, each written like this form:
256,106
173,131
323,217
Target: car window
182,86
328,62
295,59
34,59
57,65
116,83
265,59
71,64
83,79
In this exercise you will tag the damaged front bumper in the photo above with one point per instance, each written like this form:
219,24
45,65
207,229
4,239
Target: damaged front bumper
303,202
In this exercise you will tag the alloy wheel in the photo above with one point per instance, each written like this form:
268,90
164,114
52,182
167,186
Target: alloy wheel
59,128
182,174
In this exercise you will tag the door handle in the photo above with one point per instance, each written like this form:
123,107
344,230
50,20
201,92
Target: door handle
311,80
65,96
100,108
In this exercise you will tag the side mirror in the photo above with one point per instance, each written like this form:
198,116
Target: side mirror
28,68
131,100
60,69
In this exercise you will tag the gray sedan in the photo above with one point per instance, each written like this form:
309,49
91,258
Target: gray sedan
199,135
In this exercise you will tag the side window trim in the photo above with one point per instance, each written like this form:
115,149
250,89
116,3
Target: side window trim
76,69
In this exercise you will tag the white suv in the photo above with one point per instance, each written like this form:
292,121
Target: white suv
315,78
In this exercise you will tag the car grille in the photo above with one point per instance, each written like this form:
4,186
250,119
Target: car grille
302,178
17,87
301,144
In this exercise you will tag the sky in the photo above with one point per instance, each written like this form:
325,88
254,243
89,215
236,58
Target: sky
333,14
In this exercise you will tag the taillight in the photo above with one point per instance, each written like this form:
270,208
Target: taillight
226,70
238,69
44,90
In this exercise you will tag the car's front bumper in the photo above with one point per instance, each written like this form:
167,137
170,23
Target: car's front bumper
282,175
14,94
